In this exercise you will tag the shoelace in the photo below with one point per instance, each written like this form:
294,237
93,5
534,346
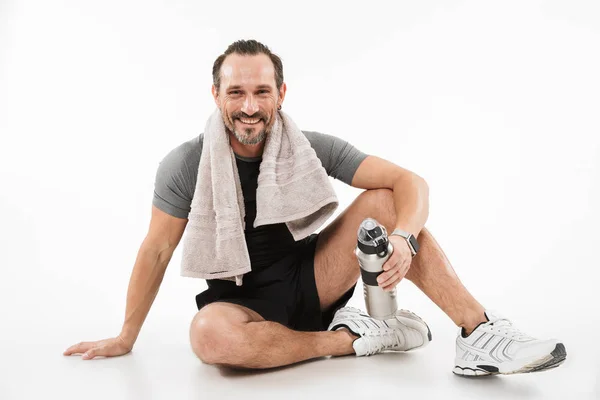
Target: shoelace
382,339
505,327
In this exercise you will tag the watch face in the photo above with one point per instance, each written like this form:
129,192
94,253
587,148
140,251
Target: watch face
414,243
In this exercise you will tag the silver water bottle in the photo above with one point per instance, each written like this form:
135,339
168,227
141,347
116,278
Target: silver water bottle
372,250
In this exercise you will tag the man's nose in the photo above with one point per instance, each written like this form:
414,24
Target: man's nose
250,105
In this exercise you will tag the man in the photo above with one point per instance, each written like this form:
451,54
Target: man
290,307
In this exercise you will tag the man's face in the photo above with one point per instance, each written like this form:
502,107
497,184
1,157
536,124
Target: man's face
248,96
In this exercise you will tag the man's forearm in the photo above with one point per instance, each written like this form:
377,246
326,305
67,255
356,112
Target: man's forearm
146,277
411,200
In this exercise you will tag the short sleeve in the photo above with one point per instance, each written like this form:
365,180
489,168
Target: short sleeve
339,158
175,180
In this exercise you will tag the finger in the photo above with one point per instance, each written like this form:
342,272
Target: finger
104,350
396,274
397,258
399,274
392,261
81,347
91,353
392,284
406,267
405,270
385,276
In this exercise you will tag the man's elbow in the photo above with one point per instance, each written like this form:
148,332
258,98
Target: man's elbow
423,191
424,187
421,184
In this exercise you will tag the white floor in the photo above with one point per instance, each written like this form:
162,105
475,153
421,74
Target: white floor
496,105
49,314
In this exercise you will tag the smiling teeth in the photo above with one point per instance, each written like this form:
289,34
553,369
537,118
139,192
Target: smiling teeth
249,121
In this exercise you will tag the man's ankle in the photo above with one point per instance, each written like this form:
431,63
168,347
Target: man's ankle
350,334
347,339
471,325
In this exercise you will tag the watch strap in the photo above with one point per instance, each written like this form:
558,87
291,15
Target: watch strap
410,239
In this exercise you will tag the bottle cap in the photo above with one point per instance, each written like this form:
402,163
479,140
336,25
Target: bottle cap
372,237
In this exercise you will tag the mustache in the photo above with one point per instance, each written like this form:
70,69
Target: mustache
240,114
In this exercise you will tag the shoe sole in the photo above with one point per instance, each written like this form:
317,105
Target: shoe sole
553,360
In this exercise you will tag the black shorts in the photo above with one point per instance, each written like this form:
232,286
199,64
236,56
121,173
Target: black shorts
284,292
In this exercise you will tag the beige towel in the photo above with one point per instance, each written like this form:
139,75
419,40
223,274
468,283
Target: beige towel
293,188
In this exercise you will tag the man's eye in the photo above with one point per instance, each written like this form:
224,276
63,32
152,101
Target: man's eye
234,92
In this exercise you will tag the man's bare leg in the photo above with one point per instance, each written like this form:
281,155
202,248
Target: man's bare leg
431,272
232,335
336,266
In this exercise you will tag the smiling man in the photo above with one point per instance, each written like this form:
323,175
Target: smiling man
247,129
290,306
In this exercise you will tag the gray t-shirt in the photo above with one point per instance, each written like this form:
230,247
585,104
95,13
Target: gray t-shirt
176,182
177,173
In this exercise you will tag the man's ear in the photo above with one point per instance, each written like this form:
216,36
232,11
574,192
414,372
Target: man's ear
215,93
282,91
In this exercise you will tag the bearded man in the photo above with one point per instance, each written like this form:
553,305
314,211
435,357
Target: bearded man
288,304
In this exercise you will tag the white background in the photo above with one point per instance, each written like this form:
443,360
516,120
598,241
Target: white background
495,104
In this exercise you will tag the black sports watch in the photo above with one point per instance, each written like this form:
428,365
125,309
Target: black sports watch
410,239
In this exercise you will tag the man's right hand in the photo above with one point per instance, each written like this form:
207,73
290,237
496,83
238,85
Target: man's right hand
112,347
150,264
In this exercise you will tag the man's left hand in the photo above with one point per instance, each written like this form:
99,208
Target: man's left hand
396,267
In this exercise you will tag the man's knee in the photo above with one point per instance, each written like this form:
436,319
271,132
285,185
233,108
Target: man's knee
374,195
379,203
212,334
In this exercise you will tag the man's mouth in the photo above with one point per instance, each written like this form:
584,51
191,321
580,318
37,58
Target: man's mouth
249,121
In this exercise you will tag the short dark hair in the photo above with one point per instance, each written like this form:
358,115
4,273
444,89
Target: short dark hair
249,48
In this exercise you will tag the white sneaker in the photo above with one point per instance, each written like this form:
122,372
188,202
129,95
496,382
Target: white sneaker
496,347
405,332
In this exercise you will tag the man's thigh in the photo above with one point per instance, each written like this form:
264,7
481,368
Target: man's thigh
336,266
230,311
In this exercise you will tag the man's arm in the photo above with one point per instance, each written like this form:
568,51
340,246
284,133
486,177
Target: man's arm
163,236
343,161
152,260
411,192
411,201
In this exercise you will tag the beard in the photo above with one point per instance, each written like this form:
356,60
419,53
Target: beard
246,137
249,136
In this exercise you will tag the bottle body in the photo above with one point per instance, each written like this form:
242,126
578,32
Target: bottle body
372,251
